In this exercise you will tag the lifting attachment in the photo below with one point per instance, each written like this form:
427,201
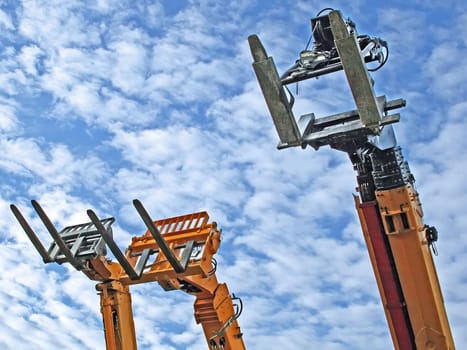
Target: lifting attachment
388,206
337,40
176,252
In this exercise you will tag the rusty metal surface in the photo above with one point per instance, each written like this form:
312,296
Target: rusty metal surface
274,94
356,72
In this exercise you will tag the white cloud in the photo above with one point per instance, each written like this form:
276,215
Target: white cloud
8,119
130,68
44,22
169,111
28,57
194,169
445,73
56,166
5,20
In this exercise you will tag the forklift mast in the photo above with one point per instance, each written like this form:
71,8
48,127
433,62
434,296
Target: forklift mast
399,242
177,253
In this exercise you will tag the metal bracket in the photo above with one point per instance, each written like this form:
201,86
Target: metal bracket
338,130
74,244
134,275
343,131
178,266
274,94
356,72
80,243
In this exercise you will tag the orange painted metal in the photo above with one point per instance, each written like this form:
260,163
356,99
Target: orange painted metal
215,312
402,218
117,315
214,307
175,252
386,277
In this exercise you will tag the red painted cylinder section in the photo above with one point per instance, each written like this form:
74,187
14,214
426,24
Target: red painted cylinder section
389,279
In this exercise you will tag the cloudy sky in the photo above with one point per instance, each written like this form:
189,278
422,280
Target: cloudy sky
105,101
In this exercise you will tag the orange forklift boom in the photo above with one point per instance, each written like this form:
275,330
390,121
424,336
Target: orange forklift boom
178,253
388,205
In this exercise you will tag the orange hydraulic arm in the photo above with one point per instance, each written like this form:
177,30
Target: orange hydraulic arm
399,247
410,241
387,280
388,207
117,315
175,252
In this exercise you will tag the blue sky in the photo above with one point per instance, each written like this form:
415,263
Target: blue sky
103,101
